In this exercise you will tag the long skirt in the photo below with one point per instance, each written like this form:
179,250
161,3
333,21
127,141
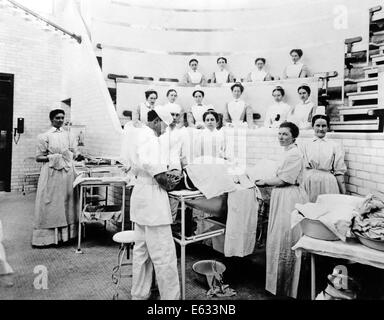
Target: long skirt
283,267
55,207
318,182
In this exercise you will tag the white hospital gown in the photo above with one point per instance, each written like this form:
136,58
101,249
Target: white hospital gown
283,268
323,160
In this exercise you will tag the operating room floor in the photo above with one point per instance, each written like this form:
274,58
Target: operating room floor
87,276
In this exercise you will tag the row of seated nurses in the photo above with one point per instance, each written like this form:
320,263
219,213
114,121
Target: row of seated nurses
317,167
222,75
237,110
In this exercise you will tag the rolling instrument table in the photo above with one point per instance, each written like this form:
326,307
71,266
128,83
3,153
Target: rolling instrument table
88,182
350,250
183,241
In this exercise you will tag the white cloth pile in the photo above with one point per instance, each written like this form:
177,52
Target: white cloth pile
263,169
335,211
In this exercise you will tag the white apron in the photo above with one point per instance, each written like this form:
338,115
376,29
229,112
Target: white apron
195,77
221,76
294,70
258,75
235,110
198,112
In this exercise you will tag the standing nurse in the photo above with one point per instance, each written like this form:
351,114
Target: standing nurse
55,207
151,213
324,161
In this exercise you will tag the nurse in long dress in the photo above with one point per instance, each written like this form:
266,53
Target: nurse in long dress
193,76
141,112
222,75
296,69
278,112
237,111
259,74
195,115
55,208
301,114
324,161
283,267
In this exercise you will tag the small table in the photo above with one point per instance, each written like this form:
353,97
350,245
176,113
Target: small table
183,195
350,250
87,182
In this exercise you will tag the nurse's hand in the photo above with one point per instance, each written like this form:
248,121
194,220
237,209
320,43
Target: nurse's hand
200,126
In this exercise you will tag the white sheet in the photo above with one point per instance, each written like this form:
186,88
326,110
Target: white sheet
350,250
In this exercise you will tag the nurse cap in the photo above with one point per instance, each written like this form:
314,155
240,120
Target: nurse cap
56,106
164,114
320,111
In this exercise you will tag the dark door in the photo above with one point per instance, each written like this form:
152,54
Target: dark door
6,121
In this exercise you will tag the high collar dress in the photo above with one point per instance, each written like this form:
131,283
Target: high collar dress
283,268
55,216
323,159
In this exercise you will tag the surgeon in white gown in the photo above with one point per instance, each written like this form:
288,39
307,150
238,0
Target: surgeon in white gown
150,211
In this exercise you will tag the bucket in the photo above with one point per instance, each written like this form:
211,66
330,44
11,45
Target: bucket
206,271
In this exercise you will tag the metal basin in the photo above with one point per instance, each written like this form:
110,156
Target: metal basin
316,229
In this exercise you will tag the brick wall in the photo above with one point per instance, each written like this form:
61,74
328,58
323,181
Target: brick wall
31,55
48,70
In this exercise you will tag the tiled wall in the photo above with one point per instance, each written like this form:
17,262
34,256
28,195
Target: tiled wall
31,55
364,156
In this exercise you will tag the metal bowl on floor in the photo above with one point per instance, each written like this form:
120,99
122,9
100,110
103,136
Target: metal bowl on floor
370,243
316,229
206,270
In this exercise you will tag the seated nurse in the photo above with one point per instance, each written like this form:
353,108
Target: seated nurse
278,112
222,75
141,112
296,69
171,106
237,111
301,114
193,76
259,74
195,115
209,141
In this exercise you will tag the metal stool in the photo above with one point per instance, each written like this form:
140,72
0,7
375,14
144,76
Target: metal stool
126,240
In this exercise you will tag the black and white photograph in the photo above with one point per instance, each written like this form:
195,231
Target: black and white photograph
199,152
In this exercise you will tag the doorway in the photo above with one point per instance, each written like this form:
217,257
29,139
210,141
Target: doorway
6,124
